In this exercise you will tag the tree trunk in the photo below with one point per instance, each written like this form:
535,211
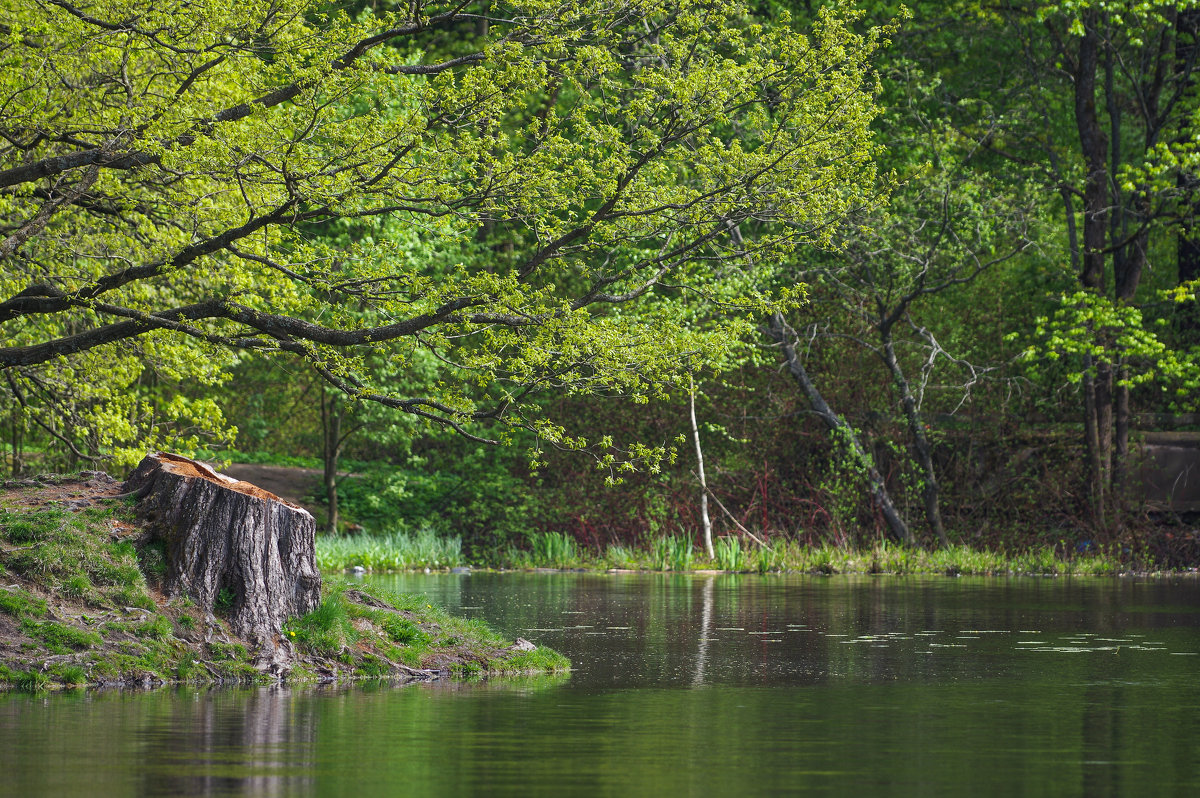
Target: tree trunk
1187,257
704,519
930,489
781,333
1098,403
331,427
16,440
1091,433
232,544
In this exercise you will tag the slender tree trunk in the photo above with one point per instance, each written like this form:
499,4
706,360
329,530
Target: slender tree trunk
1128,276
331,427
1098,401
781,333
708,542
930,490
16,441
1187,255
1123,420
1187,258
1091,434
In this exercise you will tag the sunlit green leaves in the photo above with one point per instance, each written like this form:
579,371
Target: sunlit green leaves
549,212
1094,327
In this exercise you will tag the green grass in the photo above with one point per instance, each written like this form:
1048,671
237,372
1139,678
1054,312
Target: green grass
398,551
371,637
547,550
158,628
677,553
70,553
185,668
70,675
59,638
32,680
768,559
400,630
71,557
327,629
540,660
21,603
617,556
729,555
672,553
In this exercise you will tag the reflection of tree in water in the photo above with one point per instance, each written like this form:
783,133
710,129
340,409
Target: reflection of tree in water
705,631
231,742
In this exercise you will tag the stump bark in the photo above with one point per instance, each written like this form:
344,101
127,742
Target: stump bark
232,543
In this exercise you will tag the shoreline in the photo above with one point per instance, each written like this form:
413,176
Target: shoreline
601,571
81,605
399,553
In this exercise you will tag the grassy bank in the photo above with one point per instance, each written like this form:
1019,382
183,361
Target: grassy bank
81,604
677,554
375,633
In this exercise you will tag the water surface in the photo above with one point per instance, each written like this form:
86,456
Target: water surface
692,685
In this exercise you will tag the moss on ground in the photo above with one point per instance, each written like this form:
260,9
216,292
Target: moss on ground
82,604
372,633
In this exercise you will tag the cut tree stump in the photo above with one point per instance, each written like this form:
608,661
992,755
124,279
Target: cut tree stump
233,544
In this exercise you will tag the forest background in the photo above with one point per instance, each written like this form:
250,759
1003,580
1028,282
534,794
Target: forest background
956,332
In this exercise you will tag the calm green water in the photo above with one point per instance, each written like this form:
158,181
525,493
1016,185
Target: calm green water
731,685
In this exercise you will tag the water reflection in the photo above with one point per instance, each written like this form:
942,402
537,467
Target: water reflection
260,742
706,686
708,584
654,630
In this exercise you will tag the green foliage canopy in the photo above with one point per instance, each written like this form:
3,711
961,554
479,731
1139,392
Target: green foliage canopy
166,170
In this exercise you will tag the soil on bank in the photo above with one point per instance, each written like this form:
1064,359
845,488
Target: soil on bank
81,604
287,482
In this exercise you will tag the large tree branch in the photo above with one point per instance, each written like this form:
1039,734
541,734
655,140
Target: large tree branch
44,298
109,155
39,221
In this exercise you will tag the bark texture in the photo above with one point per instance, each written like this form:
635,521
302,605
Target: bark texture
231,536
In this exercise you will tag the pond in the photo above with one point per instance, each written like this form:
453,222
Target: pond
693,685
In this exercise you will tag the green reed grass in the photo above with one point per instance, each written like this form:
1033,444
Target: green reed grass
398,551
553,550
729,554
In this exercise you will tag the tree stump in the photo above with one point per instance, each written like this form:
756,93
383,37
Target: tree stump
231,543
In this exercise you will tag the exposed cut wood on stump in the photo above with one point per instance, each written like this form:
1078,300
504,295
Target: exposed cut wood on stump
226,535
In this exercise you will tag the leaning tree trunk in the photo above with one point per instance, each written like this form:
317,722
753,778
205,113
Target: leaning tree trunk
226,535
779,331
